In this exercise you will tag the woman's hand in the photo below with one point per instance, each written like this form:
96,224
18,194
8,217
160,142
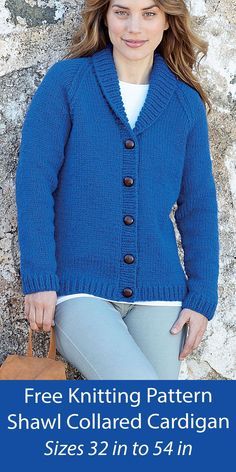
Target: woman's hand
40,309
197,327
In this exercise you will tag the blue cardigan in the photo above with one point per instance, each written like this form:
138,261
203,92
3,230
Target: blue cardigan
94,196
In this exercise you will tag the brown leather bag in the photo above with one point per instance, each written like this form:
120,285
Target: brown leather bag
16,367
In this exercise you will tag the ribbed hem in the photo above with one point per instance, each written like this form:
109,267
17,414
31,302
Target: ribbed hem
39,283
198,303
71,284
76,283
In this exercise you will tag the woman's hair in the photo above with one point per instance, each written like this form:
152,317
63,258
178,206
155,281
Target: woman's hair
180,46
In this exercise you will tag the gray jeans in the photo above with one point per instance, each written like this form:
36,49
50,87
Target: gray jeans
108,340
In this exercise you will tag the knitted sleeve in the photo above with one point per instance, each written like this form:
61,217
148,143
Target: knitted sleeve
197,220
44,134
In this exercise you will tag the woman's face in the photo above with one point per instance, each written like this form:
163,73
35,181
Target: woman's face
139,20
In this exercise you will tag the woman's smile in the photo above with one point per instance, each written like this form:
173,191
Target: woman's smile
134,44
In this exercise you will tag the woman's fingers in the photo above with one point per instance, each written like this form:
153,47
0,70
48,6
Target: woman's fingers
193,342
39,315
197,324
32,320
179,323
48,318
39,310
189,342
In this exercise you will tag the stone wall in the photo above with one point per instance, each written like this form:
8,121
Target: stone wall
34,35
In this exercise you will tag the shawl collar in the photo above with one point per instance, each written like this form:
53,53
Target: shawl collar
162,84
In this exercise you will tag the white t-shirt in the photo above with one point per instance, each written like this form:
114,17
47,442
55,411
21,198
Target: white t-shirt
133,96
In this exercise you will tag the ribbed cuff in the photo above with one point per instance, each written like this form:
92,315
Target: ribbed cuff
39,283
196,302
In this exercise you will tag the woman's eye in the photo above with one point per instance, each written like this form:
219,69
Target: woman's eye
120,12
146,13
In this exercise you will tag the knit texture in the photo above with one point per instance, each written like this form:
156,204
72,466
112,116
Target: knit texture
73,202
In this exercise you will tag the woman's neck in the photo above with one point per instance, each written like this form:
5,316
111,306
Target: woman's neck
135,72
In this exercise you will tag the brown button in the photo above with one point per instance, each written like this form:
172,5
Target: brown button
129,143
128,220
128,181
127,292
129,259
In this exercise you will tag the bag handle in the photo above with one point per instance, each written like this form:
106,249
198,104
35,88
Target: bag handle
52,347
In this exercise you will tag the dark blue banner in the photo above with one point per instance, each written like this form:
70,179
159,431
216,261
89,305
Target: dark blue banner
117,423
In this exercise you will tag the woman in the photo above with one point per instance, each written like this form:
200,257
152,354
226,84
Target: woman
117,133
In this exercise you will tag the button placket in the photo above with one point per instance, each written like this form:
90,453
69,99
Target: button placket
128,265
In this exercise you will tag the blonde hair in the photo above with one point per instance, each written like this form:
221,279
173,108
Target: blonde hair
180,45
